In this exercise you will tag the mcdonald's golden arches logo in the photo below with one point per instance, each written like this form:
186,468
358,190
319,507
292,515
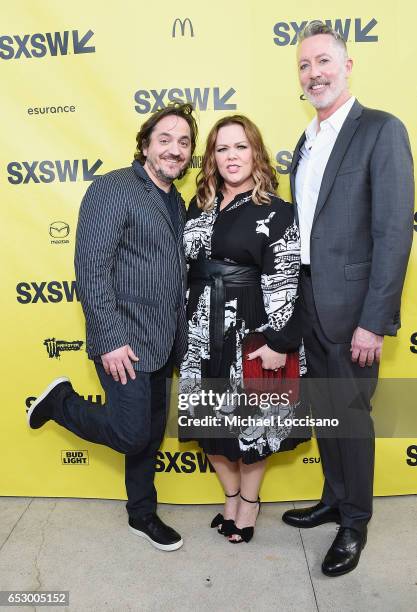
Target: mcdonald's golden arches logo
182,24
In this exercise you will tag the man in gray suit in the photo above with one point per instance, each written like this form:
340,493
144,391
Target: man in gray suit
352,184
131,277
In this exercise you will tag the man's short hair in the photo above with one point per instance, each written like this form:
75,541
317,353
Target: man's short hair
183,110
319,27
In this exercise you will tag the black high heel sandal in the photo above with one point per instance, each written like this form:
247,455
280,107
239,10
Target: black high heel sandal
246,533
226,526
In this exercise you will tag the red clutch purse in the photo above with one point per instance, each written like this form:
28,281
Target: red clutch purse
257,380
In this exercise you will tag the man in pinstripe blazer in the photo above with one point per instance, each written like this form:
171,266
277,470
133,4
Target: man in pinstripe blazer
131,277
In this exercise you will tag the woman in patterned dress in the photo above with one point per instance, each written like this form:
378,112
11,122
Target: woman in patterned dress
242,247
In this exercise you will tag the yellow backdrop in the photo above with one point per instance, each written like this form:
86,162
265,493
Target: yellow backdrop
77,81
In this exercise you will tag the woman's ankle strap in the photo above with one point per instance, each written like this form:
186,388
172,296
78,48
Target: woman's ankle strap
234,495
250,501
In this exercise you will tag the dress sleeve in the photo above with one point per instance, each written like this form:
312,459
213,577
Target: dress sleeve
192,209
279,282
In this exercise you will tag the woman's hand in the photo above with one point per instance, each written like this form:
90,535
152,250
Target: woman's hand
270,359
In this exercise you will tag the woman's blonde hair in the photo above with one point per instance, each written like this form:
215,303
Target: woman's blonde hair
209,180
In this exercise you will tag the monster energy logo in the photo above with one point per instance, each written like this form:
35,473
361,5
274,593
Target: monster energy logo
56,347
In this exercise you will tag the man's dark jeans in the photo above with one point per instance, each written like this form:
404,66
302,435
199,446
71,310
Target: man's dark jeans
132,422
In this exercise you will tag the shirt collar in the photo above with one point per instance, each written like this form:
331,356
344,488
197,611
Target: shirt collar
335,121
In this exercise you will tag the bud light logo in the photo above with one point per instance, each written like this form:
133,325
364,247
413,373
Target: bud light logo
74,457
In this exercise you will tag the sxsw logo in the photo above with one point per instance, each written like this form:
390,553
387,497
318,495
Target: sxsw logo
48,171
206,98
283,159
186,463
413,340
78,457
412,455
50,43
47,292
182,24
357,30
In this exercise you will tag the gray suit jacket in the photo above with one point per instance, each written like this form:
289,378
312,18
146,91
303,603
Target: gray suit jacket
130,269
362,228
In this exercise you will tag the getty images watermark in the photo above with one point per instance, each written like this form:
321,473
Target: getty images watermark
330,408
274,405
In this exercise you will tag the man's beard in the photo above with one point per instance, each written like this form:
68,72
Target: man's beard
163,176
329,97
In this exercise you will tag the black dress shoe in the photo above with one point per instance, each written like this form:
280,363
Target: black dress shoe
156,532
306,518
42,409
245,534
344,554
225,526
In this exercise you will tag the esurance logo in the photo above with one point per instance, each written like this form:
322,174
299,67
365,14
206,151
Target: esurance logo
31,292
202,98
47,171
357,30
51,43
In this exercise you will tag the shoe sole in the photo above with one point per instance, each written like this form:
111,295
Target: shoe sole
337,521
165,547
336,574
48,389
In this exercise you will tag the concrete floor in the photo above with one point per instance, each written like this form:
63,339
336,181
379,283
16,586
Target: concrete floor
84,547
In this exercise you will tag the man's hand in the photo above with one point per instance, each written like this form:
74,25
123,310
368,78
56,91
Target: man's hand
118,362
366,347
270,359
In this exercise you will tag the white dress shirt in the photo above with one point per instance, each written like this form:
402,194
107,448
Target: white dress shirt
314,155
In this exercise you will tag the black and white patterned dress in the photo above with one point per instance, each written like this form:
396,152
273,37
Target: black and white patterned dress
265,236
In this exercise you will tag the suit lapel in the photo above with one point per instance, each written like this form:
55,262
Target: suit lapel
182,214
160,205
153,193
293,171
341,145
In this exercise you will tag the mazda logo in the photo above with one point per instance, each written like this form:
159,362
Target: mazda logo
59,229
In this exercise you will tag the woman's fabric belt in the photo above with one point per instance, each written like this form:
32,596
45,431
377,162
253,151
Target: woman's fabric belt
220,274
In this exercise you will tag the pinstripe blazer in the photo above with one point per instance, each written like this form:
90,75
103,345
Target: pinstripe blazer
130,269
